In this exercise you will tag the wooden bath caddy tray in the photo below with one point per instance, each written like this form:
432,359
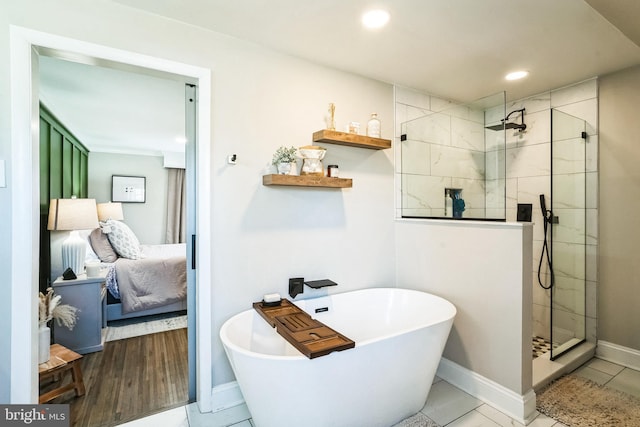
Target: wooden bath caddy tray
310,337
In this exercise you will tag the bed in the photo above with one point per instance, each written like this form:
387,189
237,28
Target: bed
142,280
154,284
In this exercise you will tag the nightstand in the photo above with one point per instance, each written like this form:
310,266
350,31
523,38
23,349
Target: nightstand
88,296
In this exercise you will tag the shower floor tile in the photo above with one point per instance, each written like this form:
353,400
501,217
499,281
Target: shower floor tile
540,346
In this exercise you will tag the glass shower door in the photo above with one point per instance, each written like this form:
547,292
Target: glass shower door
568,231
452,165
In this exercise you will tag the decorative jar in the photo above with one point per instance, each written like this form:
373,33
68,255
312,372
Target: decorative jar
373,126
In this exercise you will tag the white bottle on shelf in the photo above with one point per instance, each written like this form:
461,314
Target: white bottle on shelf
373,126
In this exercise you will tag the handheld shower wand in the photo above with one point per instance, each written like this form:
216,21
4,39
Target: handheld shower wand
547,218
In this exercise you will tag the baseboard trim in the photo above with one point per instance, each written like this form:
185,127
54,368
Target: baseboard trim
621,355
225,396
521,408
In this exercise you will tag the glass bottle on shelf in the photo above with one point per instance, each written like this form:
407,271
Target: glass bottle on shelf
373,126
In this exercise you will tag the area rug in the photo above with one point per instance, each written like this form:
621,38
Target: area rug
417,420
579,402
122,329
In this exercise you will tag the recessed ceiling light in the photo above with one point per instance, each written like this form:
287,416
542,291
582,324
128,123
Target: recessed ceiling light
516,75
376,18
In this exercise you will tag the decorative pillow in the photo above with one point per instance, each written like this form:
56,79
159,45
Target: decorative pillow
90,253
123,240
101,246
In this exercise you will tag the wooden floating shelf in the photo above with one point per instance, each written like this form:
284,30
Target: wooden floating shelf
307,181
350,139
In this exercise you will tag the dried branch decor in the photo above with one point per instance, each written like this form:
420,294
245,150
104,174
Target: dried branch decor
50,308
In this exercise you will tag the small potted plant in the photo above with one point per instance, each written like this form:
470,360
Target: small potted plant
283,158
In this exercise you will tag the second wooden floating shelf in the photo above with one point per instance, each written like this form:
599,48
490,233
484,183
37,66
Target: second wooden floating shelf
307,181
350,139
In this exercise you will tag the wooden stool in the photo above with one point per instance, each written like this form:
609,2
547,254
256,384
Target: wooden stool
62,360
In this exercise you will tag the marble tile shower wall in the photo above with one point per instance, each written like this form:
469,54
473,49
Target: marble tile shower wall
445,149
528,174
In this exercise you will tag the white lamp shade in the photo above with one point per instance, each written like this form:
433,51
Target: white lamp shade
73,214
110,211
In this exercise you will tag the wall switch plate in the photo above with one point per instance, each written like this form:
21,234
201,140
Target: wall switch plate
3,178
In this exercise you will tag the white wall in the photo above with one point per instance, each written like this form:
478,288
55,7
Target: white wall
6,217
260,100
619,299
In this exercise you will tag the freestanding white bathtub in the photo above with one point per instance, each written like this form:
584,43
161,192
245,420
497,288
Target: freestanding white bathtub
399,334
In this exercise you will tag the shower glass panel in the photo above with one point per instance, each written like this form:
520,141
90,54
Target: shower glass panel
452,166
568,232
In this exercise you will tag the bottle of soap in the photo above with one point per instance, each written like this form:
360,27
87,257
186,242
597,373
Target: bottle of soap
373,126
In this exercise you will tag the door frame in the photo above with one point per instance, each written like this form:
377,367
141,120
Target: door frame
25,45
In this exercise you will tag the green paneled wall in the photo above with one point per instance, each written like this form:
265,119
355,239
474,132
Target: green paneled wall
64,173
63,161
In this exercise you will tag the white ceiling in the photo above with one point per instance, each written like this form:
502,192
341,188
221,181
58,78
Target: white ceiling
456,49
112,110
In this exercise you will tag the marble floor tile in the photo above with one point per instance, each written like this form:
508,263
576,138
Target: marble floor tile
594,375
473,419
447,403
605,366
628,381
229,417
498,417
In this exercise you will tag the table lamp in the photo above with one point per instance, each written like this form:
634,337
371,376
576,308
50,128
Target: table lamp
110,210
73,214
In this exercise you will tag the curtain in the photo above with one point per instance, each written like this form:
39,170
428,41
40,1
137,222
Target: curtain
176,207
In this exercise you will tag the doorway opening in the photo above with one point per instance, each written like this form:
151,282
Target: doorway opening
26,47
131,124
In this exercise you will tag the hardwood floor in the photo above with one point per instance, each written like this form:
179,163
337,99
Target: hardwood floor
131,378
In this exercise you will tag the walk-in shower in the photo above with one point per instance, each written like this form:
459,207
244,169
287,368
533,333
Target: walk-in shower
476,161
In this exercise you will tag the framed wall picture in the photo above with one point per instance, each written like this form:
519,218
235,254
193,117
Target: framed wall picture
128,189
